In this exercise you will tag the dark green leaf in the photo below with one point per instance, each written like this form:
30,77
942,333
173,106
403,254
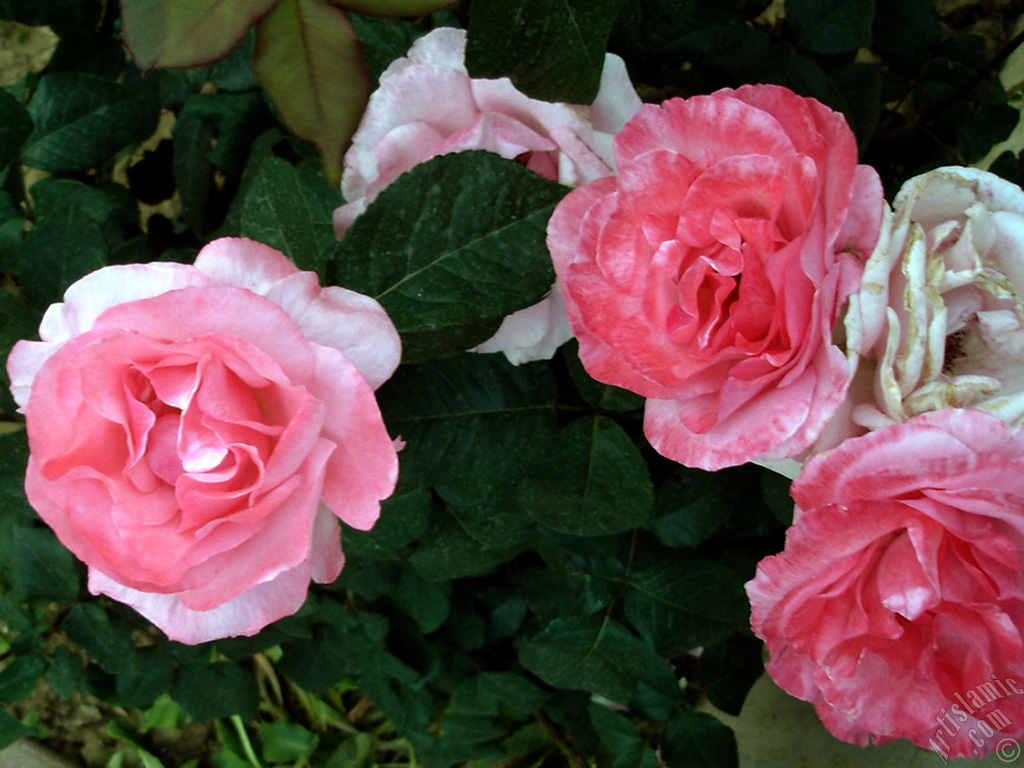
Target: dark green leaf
452,247
775,491
384,39
11,730
15,127
693,504
599,395
680,603
427,602
403,519
81,120
620,738
830,26
42,567
593,482
728,670
471,424
89,53
277,214
592,653
986,126
215,690
498,693
551,49
19,678
62,248
88,626
66,671
698,740
470,540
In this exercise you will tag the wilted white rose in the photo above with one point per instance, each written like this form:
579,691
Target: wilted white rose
938,319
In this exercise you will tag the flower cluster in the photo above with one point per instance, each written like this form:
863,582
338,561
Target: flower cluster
198,431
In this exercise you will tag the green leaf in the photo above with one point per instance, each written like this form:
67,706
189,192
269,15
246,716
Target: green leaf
356,751
284,741
13,461
215,690
66,671
698,740
452,247
277,214
42,568
620,738
81,121
19,678
59,250
603,396
593,482
472,424
692,505
384,39
403,519
309,61
470,540
88,626
551,49
498,693
830,26
11,730
592,653
983,128
729,669
428,602
186,33
15,127
680,603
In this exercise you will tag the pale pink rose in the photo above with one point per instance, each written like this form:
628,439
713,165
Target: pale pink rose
897,606
428,105
708,275
196,432
939,318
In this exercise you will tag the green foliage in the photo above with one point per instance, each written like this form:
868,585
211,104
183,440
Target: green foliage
450,248
551,49
539,561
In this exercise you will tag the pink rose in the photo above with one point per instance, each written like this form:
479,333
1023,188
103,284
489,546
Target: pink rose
197,431
707,276
428,105
897,606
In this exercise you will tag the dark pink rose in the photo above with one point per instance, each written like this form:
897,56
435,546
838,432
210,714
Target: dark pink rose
708,275
196,432
897,606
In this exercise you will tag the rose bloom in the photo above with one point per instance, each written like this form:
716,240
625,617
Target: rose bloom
428,105
196,432
707,276
938,319
897,606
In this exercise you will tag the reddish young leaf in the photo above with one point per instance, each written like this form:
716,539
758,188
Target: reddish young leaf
186,33
395,7
310,62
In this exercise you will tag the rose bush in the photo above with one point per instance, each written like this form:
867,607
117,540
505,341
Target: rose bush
197,431
900,592
938,319
404,125
707,276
